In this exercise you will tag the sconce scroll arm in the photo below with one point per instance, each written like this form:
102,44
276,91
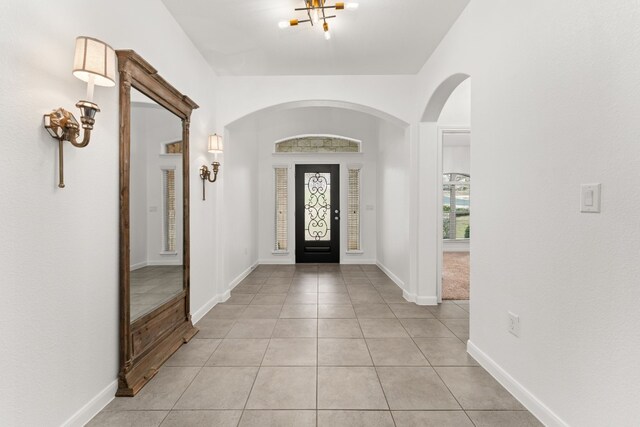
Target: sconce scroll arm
73,138
205,175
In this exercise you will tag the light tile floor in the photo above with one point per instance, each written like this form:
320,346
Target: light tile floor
153,285
322,345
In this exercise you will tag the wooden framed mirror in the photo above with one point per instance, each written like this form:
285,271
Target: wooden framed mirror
155,318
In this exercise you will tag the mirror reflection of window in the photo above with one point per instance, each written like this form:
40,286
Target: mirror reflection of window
173,147
169,220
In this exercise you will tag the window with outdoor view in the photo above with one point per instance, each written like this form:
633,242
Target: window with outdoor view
456,203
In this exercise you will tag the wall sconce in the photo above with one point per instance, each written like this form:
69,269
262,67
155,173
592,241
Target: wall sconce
215,147
94,63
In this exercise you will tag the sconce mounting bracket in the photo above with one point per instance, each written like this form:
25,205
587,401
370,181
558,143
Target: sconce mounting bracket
63,126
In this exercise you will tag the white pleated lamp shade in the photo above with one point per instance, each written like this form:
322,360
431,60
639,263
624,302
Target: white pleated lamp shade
94,58
215,144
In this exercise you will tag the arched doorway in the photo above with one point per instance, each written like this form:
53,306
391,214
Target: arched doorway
257,171
433,130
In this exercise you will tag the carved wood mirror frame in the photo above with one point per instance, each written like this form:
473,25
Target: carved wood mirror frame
151,339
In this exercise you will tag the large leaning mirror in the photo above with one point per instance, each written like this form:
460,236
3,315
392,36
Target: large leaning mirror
154,222
155,206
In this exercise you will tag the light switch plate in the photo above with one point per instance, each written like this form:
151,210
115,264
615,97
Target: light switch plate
514,324
590,198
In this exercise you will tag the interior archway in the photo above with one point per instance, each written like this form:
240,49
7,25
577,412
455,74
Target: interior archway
383,159
309,103
440,96
430,192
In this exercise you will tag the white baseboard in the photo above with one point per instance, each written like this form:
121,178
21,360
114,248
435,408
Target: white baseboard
531,402
240,277
420,300
200,313
153,263
352,259
138,266
276,261
95,405
426,300
409,297
392,276
165,262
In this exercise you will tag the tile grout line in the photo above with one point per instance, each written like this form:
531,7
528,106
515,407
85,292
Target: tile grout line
375,369
436,372
317,318
381,386
246,402
317,347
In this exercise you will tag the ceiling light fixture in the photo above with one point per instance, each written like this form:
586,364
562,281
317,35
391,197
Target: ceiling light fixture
316,13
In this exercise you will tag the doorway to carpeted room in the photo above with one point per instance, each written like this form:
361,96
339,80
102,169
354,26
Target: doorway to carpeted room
455,276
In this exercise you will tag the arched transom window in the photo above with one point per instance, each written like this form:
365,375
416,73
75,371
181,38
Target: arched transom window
318,144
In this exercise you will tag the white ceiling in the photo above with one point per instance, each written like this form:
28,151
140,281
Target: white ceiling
241,37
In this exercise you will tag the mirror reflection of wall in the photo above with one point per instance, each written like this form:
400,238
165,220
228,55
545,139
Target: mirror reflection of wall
155,205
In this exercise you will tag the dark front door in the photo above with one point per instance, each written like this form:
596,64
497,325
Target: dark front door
317,213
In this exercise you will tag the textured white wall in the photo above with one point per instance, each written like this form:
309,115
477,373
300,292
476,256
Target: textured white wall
555,100
241,196
59,259
240,96
393,202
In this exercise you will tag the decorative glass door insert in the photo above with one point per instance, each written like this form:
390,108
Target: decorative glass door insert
317,213
317,206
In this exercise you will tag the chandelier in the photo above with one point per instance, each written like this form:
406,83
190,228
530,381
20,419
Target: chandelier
318,12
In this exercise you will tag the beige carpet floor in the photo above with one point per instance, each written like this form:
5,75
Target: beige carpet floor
455,275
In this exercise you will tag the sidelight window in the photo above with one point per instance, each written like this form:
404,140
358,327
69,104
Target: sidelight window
281,190
353,210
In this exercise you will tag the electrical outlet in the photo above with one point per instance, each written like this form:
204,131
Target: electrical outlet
514,324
